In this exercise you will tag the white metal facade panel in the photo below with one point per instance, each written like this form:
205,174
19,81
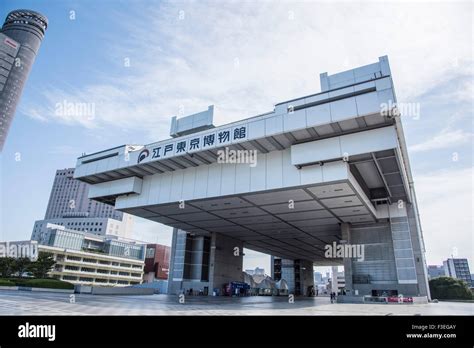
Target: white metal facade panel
116,187
274,171
351,144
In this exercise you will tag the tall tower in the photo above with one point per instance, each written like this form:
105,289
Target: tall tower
20,39
69,197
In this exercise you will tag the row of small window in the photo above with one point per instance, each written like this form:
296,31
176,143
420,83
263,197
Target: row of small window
89,260
64,173
99,280
79,224
86,230
85,223
102,271
60,188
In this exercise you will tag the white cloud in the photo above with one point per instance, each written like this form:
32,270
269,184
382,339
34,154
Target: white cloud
445,139
243,57
64,150
446,204
151,232
34,114
464,92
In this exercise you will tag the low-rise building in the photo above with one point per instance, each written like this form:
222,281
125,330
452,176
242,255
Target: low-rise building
81,223
256,271
87,259
157,262
458,268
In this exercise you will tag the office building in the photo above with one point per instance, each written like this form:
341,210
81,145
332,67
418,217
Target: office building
157,262
319,169
69,206
337,282
20,40
69,197
298,274
318,278
435,271
458,268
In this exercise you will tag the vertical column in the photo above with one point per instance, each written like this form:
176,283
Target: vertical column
197,259
174,283
306,277
418,246
212,266
334,279
226,261
346,235
276,268
402,245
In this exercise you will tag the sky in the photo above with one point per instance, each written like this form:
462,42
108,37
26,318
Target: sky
140,62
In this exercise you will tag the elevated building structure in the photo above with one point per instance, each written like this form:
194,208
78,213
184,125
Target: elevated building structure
330,167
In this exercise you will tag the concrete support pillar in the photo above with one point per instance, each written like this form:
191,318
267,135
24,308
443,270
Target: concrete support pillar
226,261
334,279
306,276
346,235
203,263
172,286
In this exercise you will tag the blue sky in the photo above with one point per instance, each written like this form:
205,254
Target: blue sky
243,58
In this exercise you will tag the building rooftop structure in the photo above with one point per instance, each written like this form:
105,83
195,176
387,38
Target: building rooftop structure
62,237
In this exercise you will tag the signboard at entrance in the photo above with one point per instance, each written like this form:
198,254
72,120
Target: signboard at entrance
191,144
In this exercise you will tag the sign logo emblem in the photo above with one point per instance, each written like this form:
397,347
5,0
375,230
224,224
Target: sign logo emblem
143,154
10,43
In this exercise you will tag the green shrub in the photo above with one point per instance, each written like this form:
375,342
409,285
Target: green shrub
447,288
7,266
6,282
44,283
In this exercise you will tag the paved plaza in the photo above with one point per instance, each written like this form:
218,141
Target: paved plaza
42,303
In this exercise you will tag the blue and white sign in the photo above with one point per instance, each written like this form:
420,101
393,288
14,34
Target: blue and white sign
192,144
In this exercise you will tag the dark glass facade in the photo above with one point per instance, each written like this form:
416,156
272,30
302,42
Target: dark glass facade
21,37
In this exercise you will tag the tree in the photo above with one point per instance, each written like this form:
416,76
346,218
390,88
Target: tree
6,266
42,265
21,265
447,288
